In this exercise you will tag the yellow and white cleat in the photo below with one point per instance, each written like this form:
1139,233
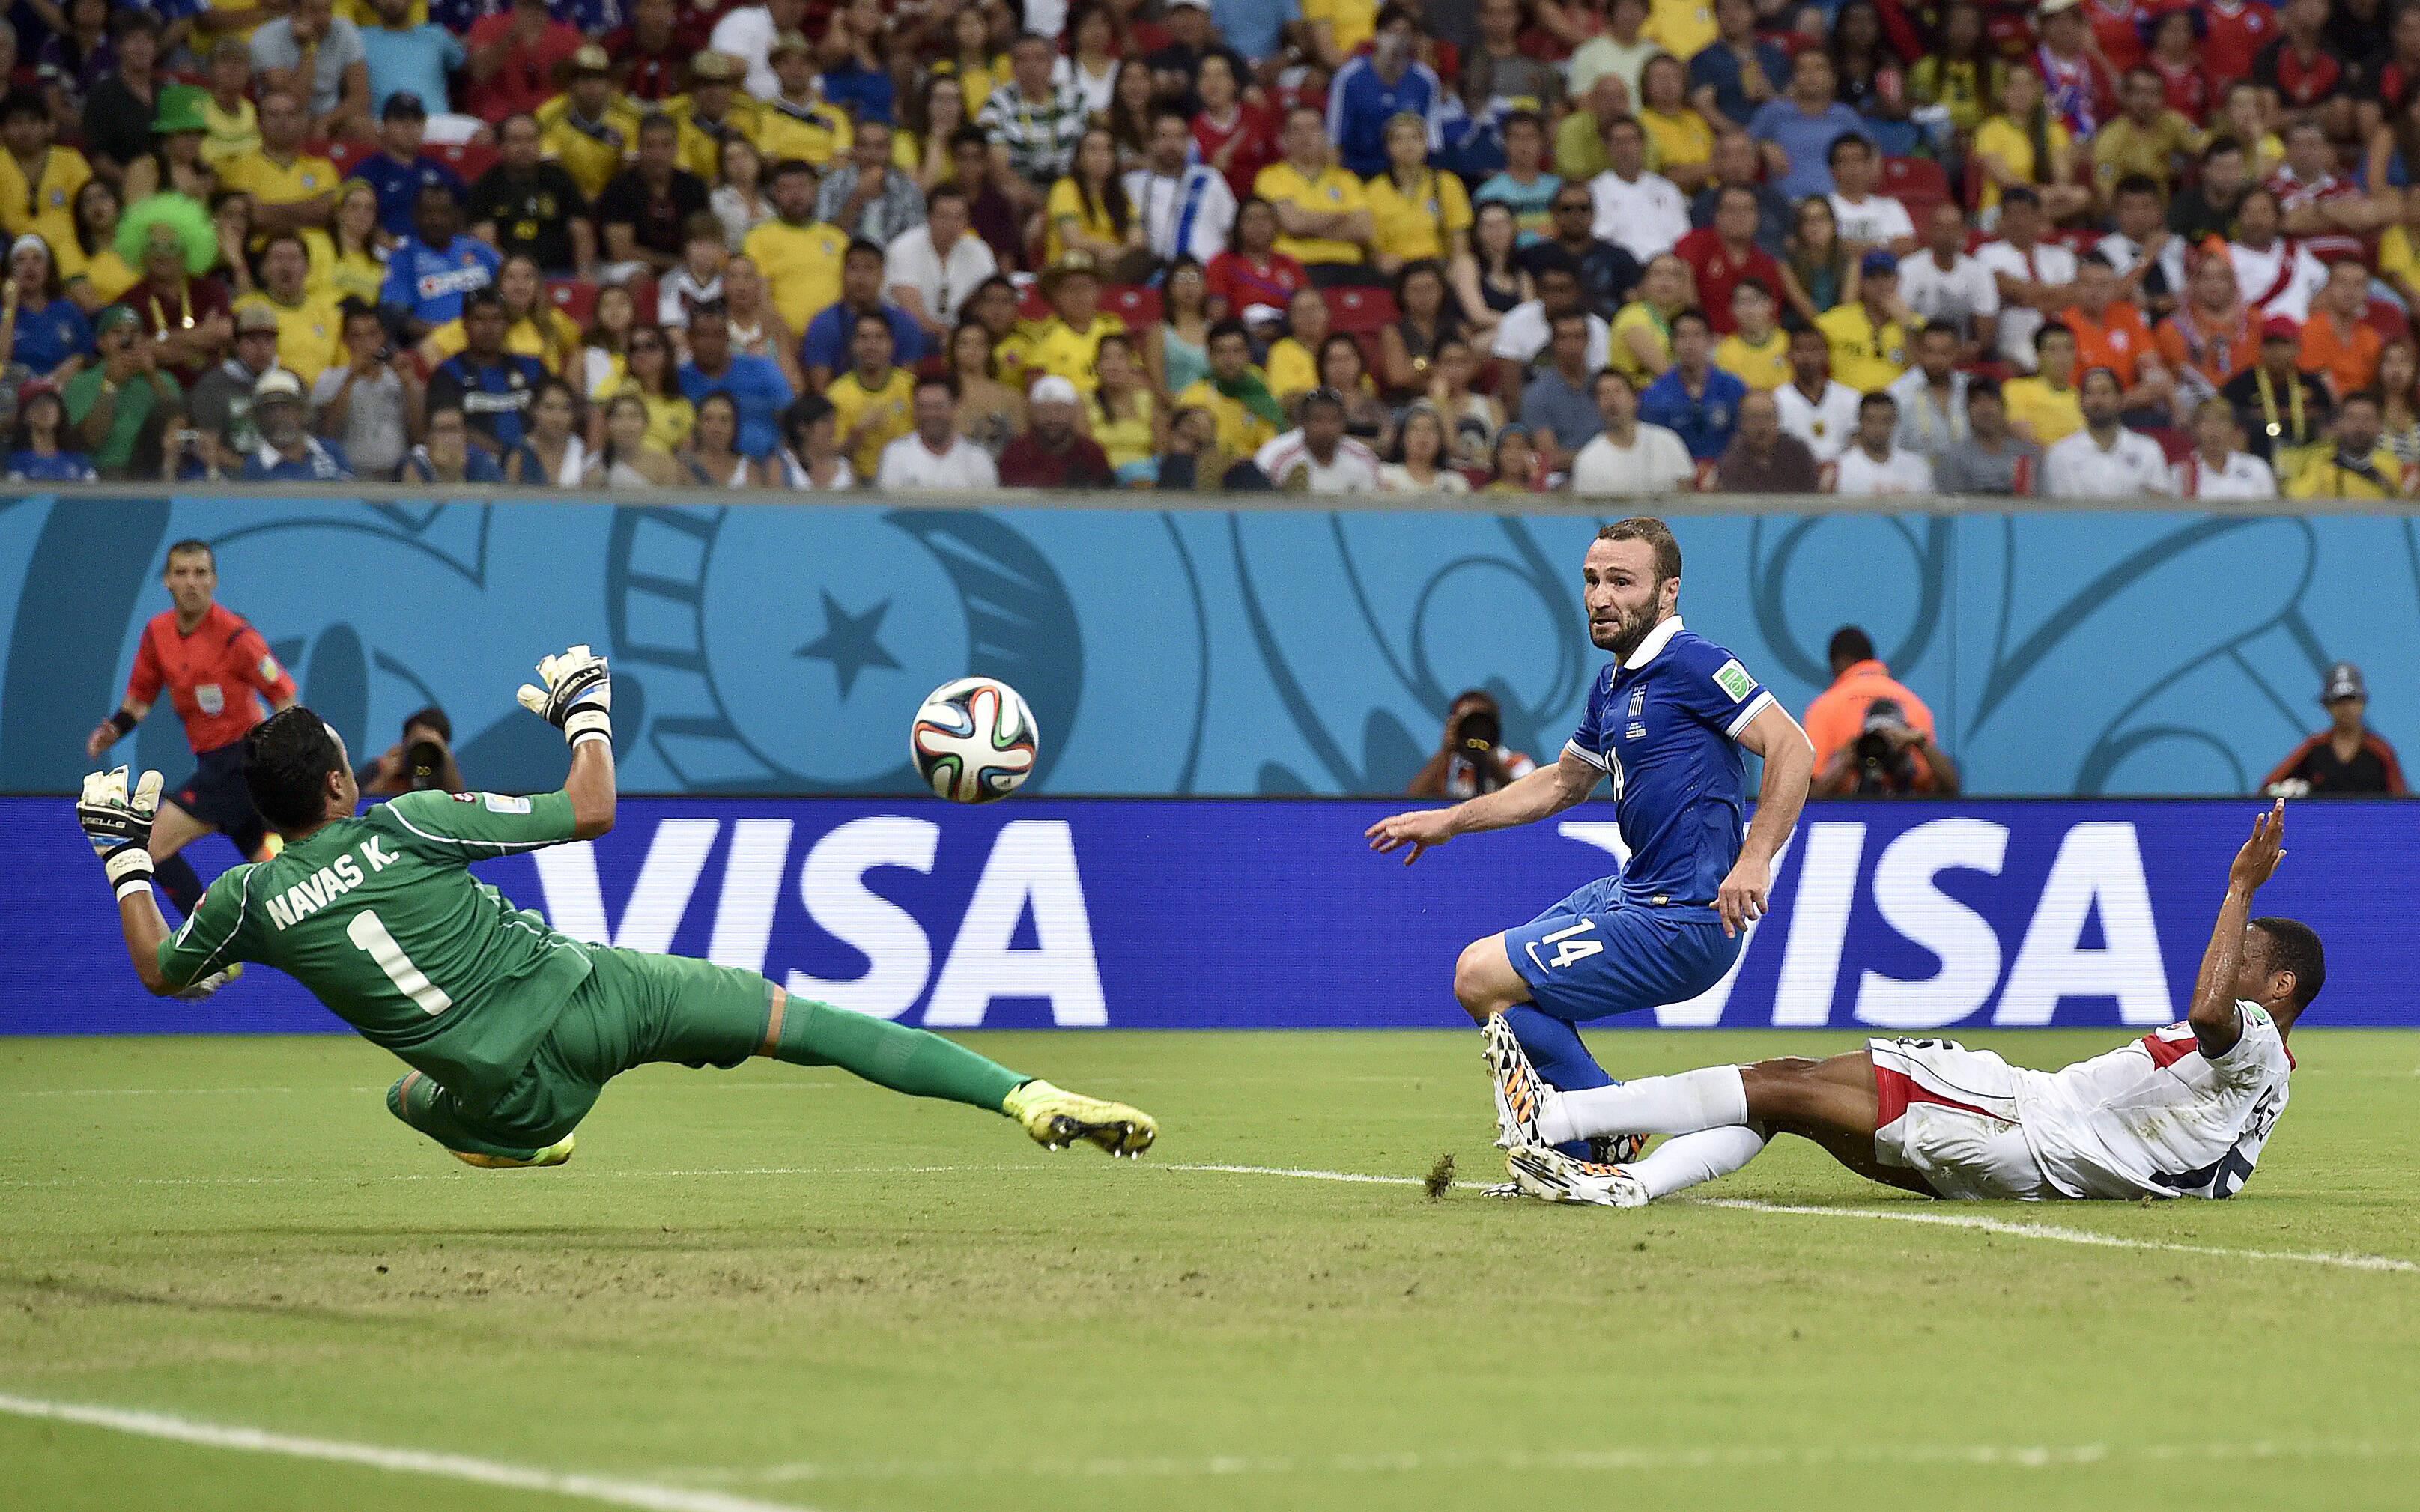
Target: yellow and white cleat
554,1154
1551,1176
203,988
1520,1095
1058,1119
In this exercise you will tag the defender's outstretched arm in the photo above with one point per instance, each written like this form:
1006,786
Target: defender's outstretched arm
578,699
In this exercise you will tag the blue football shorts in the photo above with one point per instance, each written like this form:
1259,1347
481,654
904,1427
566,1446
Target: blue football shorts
1593,955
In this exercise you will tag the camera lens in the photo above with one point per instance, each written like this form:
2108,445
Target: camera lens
424,765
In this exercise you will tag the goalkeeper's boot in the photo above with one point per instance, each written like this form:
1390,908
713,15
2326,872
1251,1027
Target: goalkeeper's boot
1552,1176
1058,1119
1520,1094
554,1154
1616,1149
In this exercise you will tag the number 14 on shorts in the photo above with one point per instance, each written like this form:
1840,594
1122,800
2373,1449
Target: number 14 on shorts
1568,944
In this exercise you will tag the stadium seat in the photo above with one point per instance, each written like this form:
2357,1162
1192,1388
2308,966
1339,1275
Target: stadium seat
1138,307
2388,319
469,160
2177,444
1361,311
642,299
1917,183
1030,305
344,151
574,297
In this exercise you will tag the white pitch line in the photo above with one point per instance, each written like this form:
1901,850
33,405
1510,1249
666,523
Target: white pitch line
1947,1220
605,1488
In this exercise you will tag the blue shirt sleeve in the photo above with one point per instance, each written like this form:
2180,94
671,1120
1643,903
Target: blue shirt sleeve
1587,740
1714,688
823,342
398,288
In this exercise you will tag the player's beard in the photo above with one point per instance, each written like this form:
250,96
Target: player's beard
1623,634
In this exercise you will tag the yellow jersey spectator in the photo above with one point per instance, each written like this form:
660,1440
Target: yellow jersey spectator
591,127
310,332
713,108
37,180
798,122
1246,414
1322,211
2359,466
1340,28
874,400
290,189
2045,408
1294,359
1069,347
1868,334
800,257
1414,211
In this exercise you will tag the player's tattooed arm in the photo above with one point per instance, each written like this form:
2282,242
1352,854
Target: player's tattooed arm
1542,794
2215,1022
1789,762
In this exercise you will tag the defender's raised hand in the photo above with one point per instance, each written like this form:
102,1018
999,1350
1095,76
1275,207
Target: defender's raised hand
119,823
577,697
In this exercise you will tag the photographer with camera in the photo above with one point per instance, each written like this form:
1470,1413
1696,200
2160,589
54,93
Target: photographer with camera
1890,758
420,762
1473,758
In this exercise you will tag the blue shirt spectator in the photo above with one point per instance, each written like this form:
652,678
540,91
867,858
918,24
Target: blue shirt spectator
49,336
756,387
1360,102
1807,139
413,60
1704,421
1551,402
1471,145
477,467
398,186
827,342
427,282
493,395
1251,27
1532,204
322,461
851,83
59,466
1719,69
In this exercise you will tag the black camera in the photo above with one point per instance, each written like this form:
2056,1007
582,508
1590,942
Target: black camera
1480,731
424,766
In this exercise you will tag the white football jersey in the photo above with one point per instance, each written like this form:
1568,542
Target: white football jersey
2158,1119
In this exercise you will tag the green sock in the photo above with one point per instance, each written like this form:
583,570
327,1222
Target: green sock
913,1061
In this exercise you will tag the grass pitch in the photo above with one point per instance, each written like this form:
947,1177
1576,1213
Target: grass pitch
788,1287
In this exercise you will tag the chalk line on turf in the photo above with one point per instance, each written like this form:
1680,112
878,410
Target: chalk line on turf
606,1488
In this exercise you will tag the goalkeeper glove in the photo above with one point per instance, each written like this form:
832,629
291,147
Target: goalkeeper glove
577,697
119,823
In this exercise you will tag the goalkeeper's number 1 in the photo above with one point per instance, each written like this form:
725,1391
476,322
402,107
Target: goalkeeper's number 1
369,932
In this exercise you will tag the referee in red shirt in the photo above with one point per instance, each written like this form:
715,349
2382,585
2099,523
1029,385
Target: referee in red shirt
212,662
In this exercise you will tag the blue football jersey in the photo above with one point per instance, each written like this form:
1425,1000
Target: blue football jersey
1665,726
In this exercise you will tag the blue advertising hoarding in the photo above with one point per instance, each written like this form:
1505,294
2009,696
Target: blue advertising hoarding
1273,913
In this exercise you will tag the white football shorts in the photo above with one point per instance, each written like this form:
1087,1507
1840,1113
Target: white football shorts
1949,1115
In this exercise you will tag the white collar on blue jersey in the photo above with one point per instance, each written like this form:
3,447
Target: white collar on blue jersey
1653,645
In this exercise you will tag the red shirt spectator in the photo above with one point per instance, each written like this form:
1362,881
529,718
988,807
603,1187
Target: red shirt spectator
1272,279
1720,269
2301,80
171,308
515,57
2184,88
210,674
1079,463
649,51
693,33
1255,144
2238,29
2117,29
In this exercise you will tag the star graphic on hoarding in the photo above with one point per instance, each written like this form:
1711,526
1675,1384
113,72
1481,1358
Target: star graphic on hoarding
850,642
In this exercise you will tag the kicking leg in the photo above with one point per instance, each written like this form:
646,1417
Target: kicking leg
1488,987
431,1109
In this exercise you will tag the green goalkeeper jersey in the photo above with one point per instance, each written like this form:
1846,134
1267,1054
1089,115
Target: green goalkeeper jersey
380,919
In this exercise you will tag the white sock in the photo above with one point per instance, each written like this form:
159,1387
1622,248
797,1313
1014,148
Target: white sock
1689,1160
1684,1103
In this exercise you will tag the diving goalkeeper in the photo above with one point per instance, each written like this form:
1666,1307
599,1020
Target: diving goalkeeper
510,1028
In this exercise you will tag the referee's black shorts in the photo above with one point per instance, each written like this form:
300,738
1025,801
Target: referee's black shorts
215,795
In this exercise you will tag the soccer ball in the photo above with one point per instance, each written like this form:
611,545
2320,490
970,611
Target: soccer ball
974,740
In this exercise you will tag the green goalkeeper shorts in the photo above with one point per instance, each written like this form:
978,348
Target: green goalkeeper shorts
633,1007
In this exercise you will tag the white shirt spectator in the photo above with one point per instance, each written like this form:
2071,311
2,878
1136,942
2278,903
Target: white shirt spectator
2279,280
679,292
1877,220
2077,468
2043,264
747,34
1644,218
2124,252
1394,477
1191,213
908,463
1898,473
1924,427
1100,93
1826,425
1354,469
943,283
2245,476
1522,332
1655,461
274,47
1956,294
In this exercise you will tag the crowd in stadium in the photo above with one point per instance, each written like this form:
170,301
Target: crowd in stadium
2077,249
